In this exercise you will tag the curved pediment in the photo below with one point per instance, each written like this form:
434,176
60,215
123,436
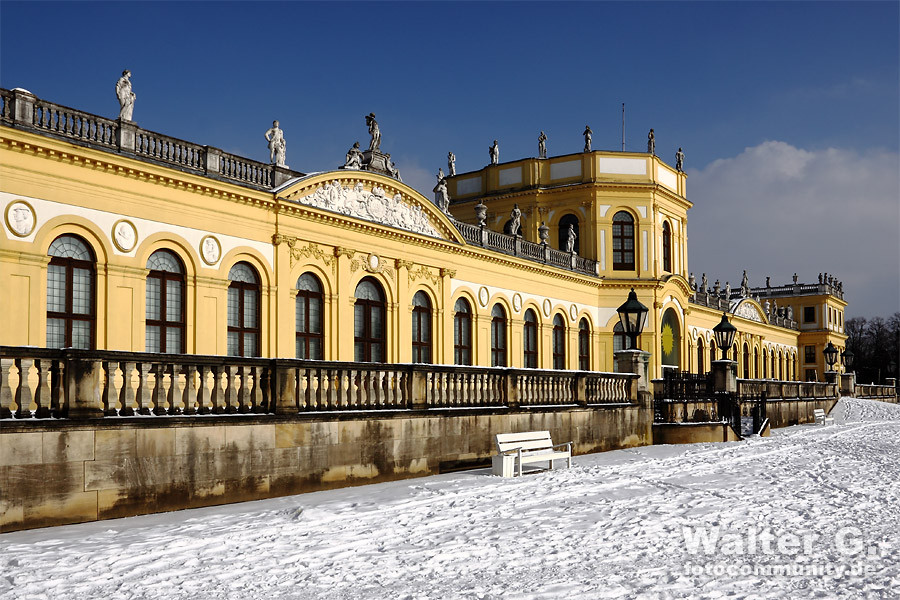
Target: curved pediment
371,197
749,309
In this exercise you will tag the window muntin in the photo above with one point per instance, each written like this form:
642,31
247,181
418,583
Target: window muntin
421,328
165,300
667,246
70,294
243,311
530,341
623,241
310,339
462,333
584,345
559,343
369,310
498,336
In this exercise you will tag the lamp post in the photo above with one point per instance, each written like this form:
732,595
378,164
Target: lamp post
632,316
848,379
847,359
831,356
724,370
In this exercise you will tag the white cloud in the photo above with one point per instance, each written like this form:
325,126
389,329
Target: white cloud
776,209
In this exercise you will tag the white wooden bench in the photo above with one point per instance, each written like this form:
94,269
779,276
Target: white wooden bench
821,417
516,449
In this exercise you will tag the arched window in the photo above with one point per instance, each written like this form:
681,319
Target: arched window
756,363
620,339
701,357
530,341
667,246
734,352
774,369
623,241
165,303
765,364
368,322
71,312
564,232
712,353
309,318
584,345
462,333
559,343
243,311
670,339
746,361
498,336
421,328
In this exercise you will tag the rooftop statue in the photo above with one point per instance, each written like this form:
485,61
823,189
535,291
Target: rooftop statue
542,145
745,285
588,137
354,158
570,239
395,172
373,131
651,142
441,196
277,145
704,285
515,221
679,161
125,95
451,163
495,153
692,282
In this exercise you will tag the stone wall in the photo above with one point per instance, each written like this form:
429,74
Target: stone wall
58,472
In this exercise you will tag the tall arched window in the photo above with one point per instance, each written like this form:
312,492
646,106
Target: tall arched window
462,333
530,340
701,357
564,232
369,312
309,318
756,363
498,336
746,361
165,303
421,328
765,364
243,311
623,241
584,345
71,312
774,369
620,339
559,343
670,339
667,246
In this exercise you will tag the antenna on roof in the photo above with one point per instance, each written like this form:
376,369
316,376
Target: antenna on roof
623,127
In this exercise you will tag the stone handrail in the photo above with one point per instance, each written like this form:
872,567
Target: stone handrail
773,389
78,384
21,109
866,390
797,289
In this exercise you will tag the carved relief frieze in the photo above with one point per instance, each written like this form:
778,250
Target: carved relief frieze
374,205
423,273
371,263
311,250
748,311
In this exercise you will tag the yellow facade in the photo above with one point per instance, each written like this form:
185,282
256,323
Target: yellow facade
126,206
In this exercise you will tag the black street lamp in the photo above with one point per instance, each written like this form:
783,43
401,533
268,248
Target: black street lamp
831,355
724,333
632,316
847,359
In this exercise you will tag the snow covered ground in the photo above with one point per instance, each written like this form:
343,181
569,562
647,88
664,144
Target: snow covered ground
811,512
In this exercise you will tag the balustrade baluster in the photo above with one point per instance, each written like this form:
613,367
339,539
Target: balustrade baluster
220,379
174,392
108,390
189,394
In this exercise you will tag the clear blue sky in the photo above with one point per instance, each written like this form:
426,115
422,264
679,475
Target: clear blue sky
787,112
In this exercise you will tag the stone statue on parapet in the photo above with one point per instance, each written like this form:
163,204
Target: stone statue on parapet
588,137
375,143
395,172
515,221
651,142
354,158
692,283
494,151
704,285
441,196
745,285
570,239
277,145
544,233
679,161
542,145
451,163
727,291
125,95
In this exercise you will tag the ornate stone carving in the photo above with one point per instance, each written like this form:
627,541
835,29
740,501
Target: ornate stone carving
748,311
124,235
401,263
20,218
210,250
423,273
451,273
373,206
125,95
277,146
372,263
341,251
311,250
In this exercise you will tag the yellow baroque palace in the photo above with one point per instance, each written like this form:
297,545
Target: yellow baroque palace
118,238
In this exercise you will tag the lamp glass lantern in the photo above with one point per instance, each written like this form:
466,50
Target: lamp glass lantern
633,317
847,359
724,333
831,355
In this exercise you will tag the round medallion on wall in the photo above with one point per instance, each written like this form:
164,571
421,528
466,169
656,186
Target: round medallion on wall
124,235
483,296
20,218
547,306
373,261
517,302
210,250
573,312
